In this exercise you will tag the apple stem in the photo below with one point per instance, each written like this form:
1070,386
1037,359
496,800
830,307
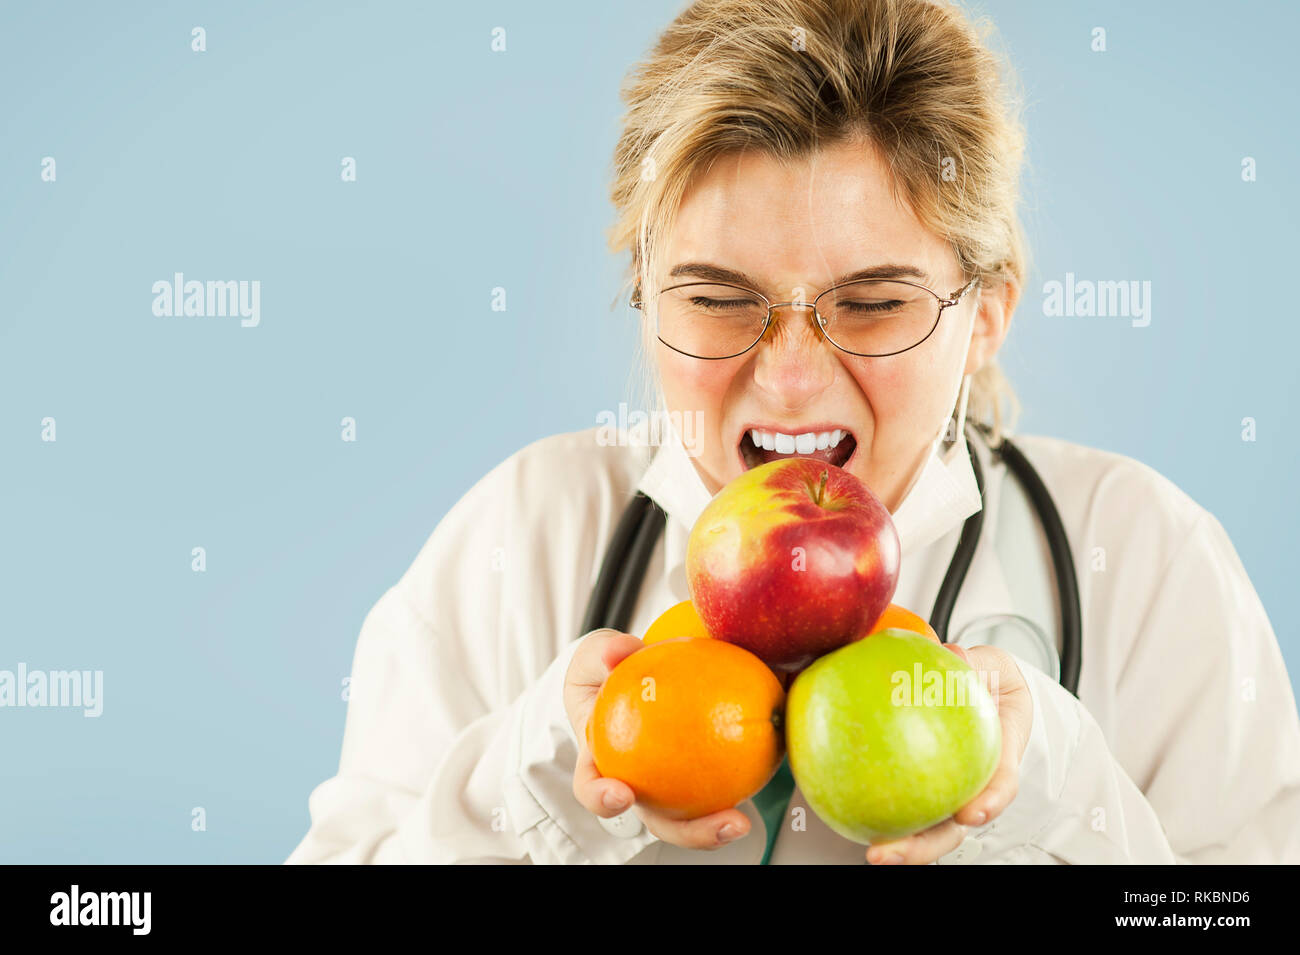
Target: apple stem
821,487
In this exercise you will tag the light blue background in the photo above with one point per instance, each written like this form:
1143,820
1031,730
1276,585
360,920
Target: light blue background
477,170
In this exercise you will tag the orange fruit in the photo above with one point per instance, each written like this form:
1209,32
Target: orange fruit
679,620
692,725
897,618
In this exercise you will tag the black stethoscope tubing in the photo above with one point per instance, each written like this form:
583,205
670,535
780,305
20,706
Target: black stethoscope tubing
623,569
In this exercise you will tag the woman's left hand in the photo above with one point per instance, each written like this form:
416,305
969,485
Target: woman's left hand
1016,714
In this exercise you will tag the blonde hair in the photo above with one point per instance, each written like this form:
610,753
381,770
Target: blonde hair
916,78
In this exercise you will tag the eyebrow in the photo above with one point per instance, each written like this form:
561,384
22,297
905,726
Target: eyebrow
716,273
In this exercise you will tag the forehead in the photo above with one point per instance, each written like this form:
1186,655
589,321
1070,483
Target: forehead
807,220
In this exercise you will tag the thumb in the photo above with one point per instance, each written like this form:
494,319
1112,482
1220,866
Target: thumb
960,651
601,651
618,648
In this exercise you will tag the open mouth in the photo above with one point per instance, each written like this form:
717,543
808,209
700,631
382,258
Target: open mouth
760,446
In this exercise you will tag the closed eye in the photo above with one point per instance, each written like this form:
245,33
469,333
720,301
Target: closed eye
722,304
869,308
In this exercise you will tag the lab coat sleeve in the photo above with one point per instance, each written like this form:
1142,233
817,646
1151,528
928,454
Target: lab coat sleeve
1075,804
441,761
1210,737
1211,728
499,788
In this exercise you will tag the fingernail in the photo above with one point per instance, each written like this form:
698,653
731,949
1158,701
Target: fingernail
727,833
613,801
892,858
980,817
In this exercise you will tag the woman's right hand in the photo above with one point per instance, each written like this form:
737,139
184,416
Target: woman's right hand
599,652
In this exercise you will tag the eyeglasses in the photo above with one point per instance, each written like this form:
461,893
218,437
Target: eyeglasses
873,318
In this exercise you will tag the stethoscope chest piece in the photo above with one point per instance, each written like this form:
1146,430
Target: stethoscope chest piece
1014,634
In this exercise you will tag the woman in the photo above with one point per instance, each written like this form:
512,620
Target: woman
783,149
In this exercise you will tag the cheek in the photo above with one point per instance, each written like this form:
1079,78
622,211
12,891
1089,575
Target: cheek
694,385
889,384
905,392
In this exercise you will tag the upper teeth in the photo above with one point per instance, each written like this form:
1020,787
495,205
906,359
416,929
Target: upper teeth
804,443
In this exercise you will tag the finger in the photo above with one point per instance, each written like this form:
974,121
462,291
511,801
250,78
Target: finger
1002,676
991,666
1001,788
705,832
920,848
602,795
1015,715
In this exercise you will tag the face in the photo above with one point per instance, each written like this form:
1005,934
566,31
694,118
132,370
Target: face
794,230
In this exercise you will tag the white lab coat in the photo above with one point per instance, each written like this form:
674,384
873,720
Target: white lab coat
1184,744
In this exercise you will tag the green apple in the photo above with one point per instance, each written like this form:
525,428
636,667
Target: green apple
890,735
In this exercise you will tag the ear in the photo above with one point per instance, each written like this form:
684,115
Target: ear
997,302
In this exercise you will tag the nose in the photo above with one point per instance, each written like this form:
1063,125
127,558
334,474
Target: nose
795,361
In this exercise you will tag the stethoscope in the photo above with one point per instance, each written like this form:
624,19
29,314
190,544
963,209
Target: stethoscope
613,599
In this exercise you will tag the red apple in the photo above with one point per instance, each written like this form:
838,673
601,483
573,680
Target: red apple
791,560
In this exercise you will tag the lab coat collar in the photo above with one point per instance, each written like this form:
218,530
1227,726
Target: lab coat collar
985,590
944,495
